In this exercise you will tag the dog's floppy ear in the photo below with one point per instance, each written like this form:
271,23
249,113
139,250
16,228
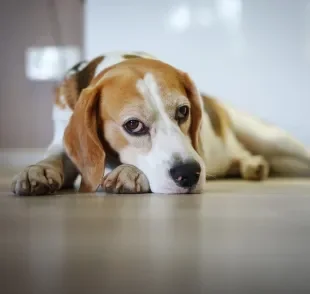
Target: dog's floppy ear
196,110
81,139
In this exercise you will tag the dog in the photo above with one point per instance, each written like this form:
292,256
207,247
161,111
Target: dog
130,123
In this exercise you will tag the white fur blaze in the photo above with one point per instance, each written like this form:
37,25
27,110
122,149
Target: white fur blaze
169,144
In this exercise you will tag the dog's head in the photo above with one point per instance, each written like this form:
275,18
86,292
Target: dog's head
150,114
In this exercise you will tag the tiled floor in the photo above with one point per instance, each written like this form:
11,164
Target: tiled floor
236,238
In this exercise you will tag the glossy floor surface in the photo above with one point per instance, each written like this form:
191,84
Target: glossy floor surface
236,238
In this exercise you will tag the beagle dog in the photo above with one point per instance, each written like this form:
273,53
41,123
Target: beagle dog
130,123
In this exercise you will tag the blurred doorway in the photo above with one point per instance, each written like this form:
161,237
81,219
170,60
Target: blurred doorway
26,104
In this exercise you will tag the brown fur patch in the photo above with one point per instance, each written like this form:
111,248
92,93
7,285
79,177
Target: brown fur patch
218,116
130,56
114,136
119,91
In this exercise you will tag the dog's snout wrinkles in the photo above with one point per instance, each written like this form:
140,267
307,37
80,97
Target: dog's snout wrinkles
186,175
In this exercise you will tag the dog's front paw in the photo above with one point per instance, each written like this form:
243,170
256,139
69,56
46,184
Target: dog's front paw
125,179
255,168
37,180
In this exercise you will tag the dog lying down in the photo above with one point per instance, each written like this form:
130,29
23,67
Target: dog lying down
133,124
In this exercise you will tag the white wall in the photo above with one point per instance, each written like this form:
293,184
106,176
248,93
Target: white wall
254,54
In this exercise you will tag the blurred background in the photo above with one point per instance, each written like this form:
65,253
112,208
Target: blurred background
253,54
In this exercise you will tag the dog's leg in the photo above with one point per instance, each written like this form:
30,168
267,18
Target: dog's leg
276,145
125,179
47,176
248,166
254,168
55,171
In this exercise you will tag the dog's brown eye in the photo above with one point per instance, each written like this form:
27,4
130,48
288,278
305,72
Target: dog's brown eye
135,127
182,113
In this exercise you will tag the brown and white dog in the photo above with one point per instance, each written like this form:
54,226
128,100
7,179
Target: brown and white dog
133,124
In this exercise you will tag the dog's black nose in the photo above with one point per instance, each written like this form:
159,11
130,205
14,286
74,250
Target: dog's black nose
186,175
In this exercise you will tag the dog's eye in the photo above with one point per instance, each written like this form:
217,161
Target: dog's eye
135,127
182,113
